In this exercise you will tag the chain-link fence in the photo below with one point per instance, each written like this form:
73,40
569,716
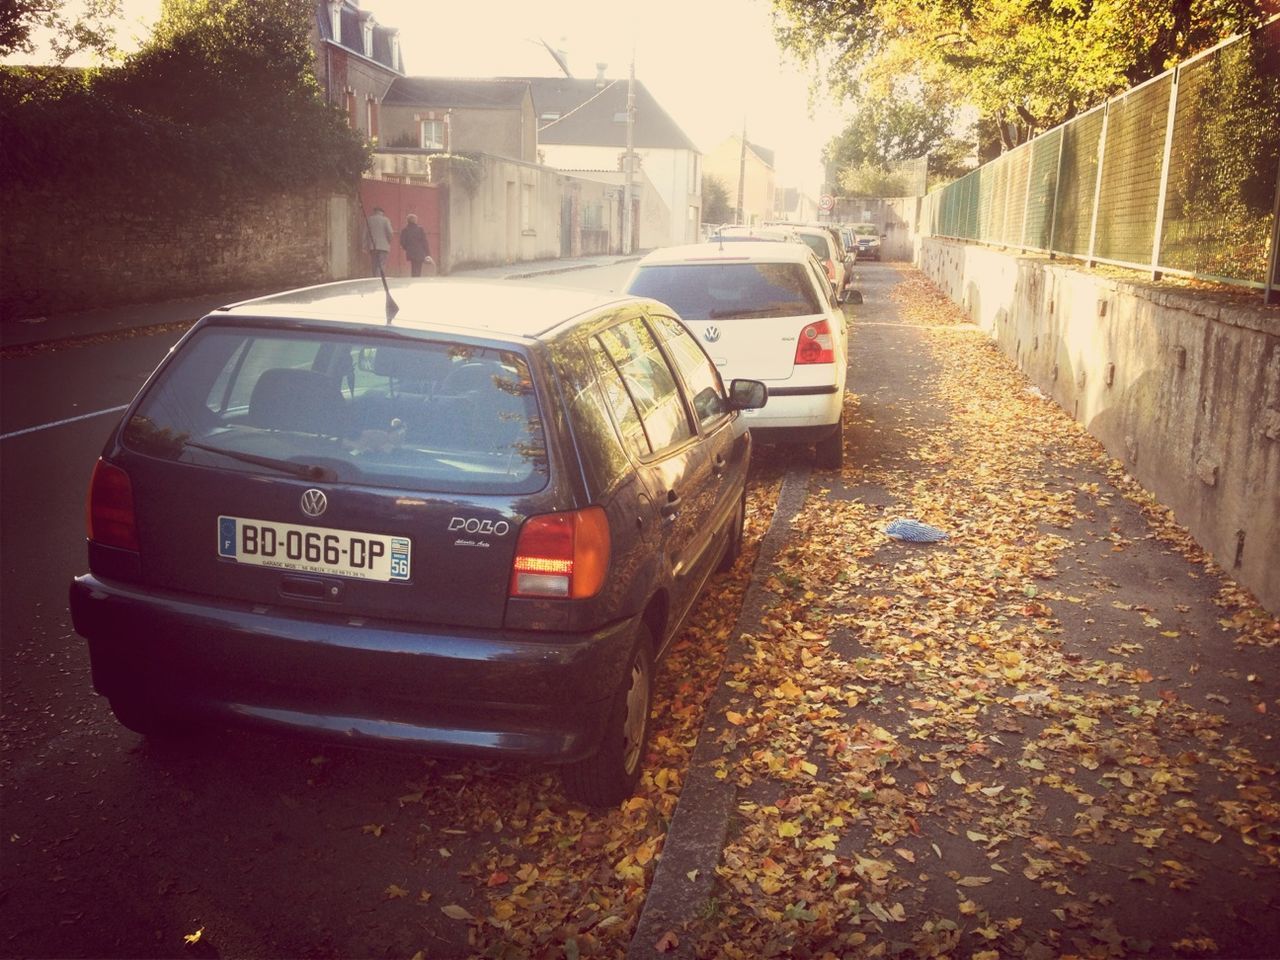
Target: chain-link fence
1178,175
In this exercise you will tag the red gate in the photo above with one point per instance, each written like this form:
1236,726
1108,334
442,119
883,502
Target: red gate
397,201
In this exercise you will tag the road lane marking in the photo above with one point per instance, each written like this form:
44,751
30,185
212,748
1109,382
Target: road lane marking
59,423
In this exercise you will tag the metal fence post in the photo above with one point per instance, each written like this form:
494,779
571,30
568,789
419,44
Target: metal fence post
1164,176
1028,146
1097,183
1057,186
1271,292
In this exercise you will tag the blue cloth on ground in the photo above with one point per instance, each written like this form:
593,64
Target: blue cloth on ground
913,531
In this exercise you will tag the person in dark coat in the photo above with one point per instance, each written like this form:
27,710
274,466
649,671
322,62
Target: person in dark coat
414,241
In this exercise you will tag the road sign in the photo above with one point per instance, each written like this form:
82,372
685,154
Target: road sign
827,202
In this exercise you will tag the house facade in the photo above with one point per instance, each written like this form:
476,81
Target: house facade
357,61
754,167
792,203
582,126
598,196
442,114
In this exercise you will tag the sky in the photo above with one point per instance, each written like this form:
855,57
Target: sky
713,65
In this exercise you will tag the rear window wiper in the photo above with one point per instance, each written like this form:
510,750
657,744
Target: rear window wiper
774,309
307,471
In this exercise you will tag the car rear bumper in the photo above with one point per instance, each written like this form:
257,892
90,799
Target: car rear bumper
536,696
799,418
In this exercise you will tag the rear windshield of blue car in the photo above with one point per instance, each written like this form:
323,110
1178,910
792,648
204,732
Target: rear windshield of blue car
725,291
433,416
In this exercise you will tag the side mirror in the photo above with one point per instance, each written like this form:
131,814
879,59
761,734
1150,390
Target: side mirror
747,394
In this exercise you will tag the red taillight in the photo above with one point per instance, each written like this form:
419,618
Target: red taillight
562,555
815,344
109,514
831,270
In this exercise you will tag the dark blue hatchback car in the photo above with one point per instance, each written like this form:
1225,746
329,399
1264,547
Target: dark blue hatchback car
471,529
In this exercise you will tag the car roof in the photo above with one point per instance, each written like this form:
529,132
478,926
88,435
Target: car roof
812,228
758,251
503,308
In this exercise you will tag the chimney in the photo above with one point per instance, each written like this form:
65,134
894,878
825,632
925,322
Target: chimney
600,80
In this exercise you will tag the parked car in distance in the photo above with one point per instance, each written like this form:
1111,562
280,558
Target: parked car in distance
850,244
826,247
763,311
471,529
734,233
867,236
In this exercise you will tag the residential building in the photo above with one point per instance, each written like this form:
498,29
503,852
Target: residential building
598,197
582,125
357,60
792,203
442,114
753,166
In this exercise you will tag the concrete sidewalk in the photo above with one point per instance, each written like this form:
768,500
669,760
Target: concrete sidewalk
114,320
1046,735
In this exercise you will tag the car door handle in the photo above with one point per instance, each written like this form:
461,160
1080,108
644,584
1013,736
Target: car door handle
672,506
718,464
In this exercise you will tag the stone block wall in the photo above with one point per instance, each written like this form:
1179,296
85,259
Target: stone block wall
61,254
1180,385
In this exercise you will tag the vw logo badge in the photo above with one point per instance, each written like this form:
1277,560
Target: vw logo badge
314,502
711,334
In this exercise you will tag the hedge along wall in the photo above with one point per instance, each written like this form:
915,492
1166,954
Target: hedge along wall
61,253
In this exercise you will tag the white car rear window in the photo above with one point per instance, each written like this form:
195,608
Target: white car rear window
725,291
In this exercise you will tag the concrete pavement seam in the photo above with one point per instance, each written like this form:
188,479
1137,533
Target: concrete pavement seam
695,836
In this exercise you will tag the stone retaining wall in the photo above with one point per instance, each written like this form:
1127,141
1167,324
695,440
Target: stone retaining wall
1182,386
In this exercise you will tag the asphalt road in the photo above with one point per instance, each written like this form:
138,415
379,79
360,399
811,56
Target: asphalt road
116,847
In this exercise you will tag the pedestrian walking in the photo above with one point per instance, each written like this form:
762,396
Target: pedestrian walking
378,240
414,241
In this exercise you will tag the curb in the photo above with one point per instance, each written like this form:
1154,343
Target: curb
686,871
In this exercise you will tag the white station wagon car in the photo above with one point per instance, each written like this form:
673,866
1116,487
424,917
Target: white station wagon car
763,311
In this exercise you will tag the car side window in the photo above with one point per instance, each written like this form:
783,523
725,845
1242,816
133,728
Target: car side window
699,373
620,403
649,381
823,284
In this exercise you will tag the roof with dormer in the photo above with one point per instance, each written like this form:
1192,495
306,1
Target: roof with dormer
351,22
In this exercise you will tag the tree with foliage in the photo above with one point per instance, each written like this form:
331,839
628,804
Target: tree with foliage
221,98
871,180
1027,64
886,131
67,33
716,207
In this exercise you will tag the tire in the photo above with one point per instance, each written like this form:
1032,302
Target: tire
829,451
141,716
610,775
733,549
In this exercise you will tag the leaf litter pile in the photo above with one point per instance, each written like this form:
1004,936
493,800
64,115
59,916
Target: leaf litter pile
1046,736
517,871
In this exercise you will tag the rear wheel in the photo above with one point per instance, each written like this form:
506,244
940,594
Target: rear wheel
830,450
733,550
609,776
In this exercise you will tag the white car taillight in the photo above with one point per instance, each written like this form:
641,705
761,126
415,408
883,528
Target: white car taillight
816,344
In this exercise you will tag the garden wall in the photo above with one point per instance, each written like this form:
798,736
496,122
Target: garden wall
60,253
1182,386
